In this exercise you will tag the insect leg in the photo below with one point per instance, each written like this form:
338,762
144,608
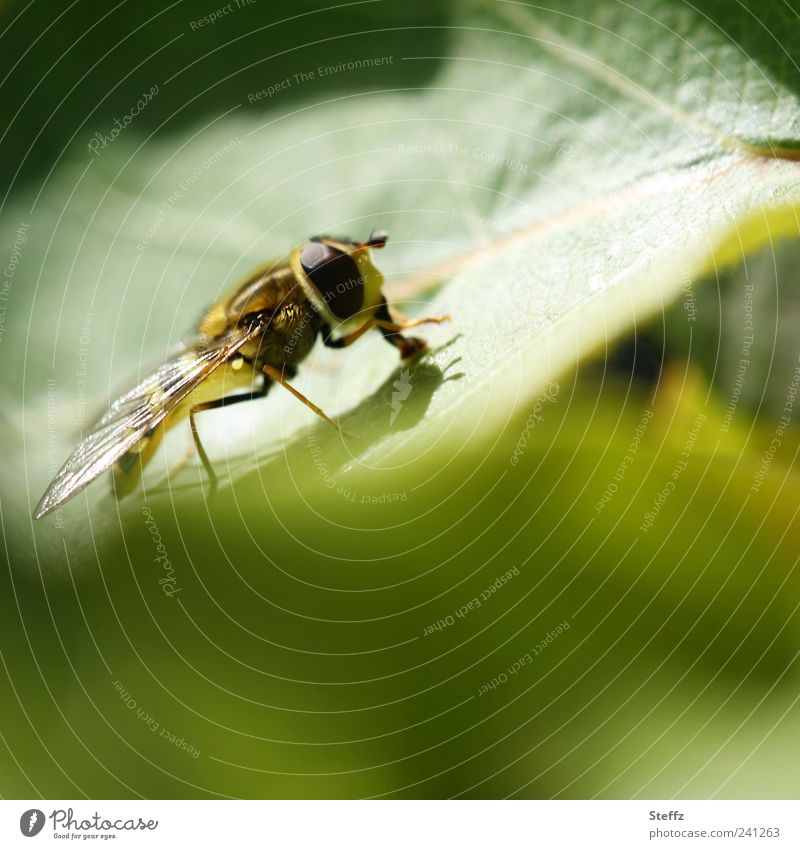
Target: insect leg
405,324
409,346
277,375
227,401
344,341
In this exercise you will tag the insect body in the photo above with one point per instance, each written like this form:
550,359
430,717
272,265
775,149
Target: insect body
255,337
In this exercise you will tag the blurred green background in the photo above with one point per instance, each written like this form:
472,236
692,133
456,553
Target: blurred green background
317,638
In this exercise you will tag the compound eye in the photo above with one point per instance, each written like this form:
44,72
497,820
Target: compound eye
335,276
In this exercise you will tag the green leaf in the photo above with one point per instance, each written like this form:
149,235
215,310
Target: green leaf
747,317
553,177
559,180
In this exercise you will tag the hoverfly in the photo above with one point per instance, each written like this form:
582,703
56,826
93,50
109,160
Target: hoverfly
253,338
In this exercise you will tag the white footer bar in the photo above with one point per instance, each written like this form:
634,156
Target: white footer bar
401,824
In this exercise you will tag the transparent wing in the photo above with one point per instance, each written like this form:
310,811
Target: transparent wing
138,411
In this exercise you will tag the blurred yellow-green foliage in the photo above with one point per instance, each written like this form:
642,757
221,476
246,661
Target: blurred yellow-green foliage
557,557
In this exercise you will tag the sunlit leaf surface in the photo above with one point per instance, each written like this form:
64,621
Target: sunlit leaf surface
550,177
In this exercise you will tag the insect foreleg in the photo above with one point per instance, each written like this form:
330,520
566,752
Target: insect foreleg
409,346
345,341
